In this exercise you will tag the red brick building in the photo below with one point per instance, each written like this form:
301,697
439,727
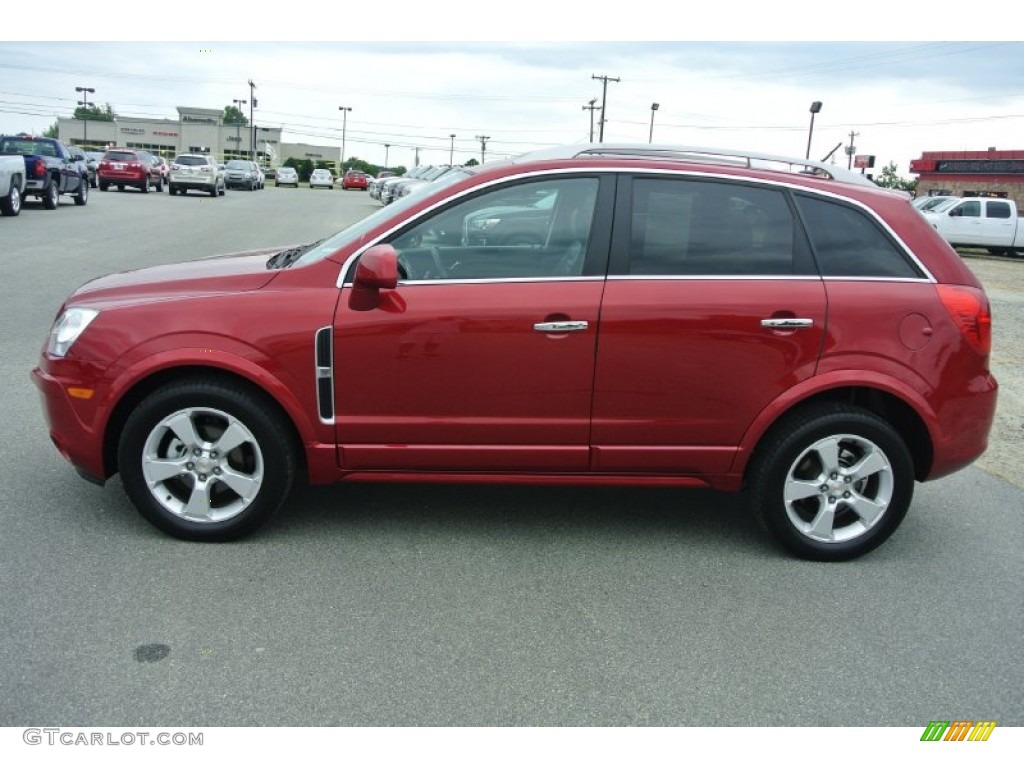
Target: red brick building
990,173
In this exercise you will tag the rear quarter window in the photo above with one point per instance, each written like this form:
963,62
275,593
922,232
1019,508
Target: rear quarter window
849,243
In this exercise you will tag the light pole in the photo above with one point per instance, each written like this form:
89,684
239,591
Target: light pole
238,125
252,126
654,108
451,152
386,148
86,104
589,107
815,109
483,148
344,126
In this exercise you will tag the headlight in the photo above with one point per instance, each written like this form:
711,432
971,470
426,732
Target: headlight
68,328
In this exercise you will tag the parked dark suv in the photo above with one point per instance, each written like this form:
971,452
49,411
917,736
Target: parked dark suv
677,317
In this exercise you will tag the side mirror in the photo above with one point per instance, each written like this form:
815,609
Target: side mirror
956,212
377,268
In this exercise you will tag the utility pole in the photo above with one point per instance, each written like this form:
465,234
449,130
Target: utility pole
604,99
252,125
451,152
416,157
483,148
589,107
344,125
850,150
386,148
238,126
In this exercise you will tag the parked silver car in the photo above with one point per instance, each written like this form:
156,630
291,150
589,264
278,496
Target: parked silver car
286,175
191,171
321,178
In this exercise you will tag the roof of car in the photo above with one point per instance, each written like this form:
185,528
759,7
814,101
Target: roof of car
692,154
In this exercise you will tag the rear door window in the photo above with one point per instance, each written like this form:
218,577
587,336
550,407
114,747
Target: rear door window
848,243
682,227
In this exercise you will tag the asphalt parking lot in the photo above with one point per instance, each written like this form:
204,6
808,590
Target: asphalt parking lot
462,605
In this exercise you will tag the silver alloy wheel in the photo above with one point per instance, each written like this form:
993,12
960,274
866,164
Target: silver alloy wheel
202,465
838,488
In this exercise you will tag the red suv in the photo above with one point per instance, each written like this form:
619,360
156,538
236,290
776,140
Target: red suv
130,168
354,180
679,317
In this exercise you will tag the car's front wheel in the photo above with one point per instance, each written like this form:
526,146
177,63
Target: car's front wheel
206,460
832,482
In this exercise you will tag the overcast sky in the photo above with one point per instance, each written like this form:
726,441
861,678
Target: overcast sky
900,96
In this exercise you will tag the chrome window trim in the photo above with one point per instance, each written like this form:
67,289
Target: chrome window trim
644,171
488,280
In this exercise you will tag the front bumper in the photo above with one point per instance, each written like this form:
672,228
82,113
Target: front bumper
70,422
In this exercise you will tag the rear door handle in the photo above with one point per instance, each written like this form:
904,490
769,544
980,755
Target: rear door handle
564,326
787,322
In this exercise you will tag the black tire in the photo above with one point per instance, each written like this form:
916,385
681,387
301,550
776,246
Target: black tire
103,186
212,190
144,187
998,251
11,203
50,195
794,453
268,453
223,190
82,195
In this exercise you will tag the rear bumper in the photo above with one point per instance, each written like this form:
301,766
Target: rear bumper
967,422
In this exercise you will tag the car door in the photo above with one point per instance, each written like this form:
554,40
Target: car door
999,225
482,358
713,309
963,223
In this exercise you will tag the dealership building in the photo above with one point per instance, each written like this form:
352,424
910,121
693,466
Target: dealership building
989,173
196,130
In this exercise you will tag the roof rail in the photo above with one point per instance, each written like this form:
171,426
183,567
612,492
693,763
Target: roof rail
733,157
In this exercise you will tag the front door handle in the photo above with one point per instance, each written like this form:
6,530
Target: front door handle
787,322
564,326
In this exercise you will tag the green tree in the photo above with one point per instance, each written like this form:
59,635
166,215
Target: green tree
104,114
233,115
52,132
472,161
889,179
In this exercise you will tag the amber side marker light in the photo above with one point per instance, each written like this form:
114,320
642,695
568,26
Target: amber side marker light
969,309
81,393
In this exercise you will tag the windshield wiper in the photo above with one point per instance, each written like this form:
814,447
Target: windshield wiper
290,256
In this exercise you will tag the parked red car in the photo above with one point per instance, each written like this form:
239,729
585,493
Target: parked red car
130,168
354,180
689,318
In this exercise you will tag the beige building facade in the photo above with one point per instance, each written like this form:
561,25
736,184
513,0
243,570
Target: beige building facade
195,130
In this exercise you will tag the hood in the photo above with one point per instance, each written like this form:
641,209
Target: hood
231,273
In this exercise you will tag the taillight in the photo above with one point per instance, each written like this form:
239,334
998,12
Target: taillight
970,311
40,168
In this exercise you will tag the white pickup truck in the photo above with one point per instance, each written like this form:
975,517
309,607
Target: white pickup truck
980,222
12,184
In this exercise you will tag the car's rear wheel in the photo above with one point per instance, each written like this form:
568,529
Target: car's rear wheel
832,482
144,187
206,460
11,204
50,195
82,195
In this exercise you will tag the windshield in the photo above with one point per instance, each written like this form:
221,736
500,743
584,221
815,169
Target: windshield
363,226
940,205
